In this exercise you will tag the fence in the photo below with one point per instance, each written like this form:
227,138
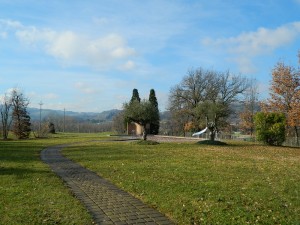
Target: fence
291,141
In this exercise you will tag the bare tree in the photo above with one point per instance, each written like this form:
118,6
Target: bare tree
206,96
250,108
6,115
20,116
118,123
185,98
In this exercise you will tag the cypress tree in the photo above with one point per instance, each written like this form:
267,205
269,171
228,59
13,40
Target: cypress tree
51,128
135,96
154,125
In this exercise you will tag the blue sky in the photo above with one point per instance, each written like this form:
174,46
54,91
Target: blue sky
88,55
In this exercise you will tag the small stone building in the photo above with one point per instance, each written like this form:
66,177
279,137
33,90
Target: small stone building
135,128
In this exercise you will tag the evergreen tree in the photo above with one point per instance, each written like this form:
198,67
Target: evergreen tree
270,127
142,113
21,119
154,125
51,128
135,96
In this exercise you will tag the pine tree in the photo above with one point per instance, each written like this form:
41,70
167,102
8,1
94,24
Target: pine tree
154,125
21,119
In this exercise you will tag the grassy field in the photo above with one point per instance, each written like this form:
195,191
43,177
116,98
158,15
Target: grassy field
192,184
199,184
29,192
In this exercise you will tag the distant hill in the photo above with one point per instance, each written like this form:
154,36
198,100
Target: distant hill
80,116
108,115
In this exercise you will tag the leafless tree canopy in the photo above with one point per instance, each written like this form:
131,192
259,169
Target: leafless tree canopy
118,123
5,109
21,119
206,94
250,108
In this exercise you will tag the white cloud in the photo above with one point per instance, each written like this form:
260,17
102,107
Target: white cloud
8,24
33,36
71,48
85,88
129,65
51,96
100,53
265,40
64,46
244,47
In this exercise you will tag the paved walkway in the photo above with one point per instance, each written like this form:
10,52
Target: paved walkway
107,203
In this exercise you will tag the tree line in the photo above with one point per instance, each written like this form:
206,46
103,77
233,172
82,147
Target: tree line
207,98
15,118
204,98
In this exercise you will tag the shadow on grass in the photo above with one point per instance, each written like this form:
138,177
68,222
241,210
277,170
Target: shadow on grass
210,142
20,172
19,156
146,142
229,143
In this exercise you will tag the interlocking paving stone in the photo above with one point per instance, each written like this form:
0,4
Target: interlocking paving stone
107,203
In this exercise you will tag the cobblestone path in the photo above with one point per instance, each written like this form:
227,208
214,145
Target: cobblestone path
107,203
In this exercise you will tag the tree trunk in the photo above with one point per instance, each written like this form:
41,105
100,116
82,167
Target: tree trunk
212,129
5,120
5,130
212,135
297,135
144,135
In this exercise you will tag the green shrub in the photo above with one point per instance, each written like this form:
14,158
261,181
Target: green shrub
270,127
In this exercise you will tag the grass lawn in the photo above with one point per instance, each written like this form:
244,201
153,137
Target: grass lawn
29,192
239,183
